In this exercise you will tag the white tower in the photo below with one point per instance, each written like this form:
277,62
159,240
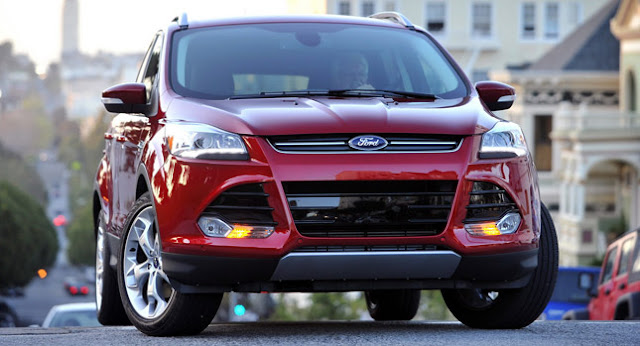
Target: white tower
70,28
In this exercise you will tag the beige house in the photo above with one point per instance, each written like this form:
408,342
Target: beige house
483,35
577,106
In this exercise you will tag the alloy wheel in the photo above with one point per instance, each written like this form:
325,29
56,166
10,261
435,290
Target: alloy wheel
146,283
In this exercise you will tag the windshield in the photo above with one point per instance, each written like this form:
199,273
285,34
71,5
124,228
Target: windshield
568,289
299,58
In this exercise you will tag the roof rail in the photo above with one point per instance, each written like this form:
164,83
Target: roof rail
394,17
182,20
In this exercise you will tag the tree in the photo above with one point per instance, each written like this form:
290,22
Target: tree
82,242
17,172
29,241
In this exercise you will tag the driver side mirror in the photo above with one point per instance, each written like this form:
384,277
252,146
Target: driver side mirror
497,96
126,98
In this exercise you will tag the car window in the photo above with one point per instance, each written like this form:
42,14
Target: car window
608,269
220,62
627,248
568,288
149,69
85,318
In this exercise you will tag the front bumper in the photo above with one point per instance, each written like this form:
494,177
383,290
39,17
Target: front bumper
346,271
195,262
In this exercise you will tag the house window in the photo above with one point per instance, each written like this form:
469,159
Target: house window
479,75
551,21
528,20
368,8
542,142
575,14
631,92
390,6
481,19
344,8
436,16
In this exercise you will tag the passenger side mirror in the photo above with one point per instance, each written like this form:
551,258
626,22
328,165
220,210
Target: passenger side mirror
497,96
586,282
126,98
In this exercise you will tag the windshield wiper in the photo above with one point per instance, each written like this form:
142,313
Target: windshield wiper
382,92
337,92
274,94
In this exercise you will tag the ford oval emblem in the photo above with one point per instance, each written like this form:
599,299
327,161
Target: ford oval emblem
368,142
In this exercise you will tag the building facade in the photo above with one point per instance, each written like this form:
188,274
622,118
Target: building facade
577,107
484,35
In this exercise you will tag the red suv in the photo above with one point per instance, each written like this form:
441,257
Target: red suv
312,154
618,296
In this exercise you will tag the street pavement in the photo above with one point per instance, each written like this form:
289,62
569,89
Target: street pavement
342,333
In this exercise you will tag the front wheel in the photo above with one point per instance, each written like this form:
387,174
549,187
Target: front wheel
512,308
108,304
151,303
392,305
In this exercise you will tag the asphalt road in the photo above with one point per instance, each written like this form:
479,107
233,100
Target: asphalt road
342,333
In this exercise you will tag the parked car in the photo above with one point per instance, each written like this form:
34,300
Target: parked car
72,315
618,293
8,316
315,153
75,287
573,290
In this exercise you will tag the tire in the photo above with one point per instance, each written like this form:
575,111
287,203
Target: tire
108,303
149,300
513,308
392,305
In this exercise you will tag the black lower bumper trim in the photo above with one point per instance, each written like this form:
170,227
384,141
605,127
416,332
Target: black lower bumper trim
200,274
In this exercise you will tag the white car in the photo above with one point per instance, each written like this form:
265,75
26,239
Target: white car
73,314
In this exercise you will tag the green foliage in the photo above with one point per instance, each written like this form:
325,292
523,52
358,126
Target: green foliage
17,172
82,242
81,155
27,130
334,306
432,307
29,241
350,306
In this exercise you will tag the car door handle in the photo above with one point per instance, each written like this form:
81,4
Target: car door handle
108,135
121,138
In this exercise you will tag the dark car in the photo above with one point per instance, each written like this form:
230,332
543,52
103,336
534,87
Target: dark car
314,154
8,316
618,290
574,286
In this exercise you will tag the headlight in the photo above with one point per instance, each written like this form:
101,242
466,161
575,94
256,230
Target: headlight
197,141
504,140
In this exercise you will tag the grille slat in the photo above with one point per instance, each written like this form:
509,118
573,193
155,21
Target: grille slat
244,204
488,202
365,248
340,143
370,208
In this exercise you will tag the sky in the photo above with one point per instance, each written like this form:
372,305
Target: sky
118,26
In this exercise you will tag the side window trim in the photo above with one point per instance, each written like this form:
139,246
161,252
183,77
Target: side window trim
145,61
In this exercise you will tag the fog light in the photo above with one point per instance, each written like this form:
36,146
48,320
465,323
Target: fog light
215,227
508,224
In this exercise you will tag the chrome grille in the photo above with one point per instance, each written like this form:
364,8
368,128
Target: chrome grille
339,143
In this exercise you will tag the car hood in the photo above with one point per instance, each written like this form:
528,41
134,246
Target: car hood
317,115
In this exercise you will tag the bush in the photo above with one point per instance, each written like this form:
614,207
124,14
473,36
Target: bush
29,241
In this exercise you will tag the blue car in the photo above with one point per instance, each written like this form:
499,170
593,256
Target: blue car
570,292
